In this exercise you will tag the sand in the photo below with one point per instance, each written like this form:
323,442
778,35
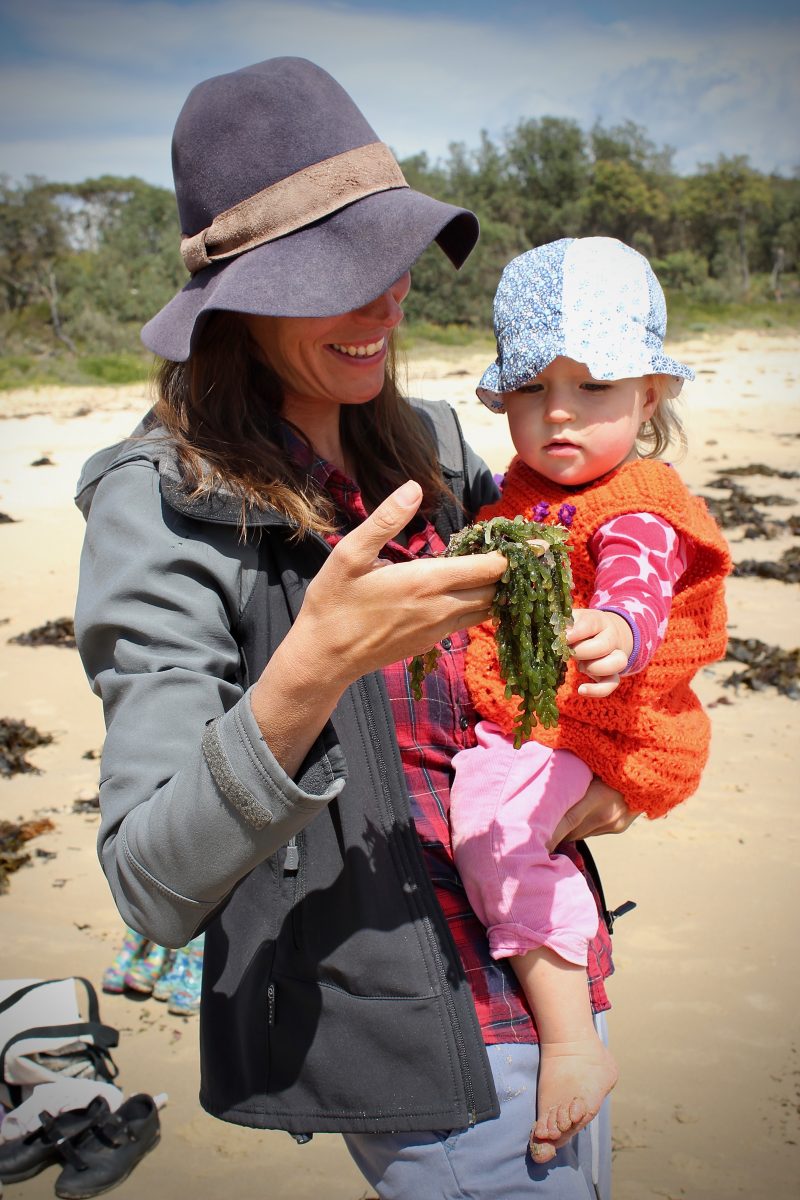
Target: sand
705,1021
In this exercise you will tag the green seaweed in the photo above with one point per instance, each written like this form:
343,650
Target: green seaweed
531,611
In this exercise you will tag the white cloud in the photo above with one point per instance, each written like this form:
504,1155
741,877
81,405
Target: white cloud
119,72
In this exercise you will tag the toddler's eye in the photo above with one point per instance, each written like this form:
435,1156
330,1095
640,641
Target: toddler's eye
592,385
528,389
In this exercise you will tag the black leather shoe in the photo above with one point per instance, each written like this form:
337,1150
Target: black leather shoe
107,1153
24,1157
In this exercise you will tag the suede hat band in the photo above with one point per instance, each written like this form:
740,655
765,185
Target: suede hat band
308,195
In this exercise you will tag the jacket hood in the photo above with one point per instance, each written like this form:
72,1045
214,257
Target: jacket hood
151,444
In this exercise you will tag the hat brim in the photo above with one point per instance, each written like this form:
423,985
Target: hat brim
494,385
334,266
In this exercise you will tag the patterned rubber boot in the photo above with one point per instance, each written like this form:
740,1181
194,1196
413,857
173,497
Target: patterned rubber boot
132,946
143,973
185,997
170,977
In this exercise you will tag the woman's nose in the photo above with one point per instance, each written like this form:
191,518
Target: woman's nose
388,307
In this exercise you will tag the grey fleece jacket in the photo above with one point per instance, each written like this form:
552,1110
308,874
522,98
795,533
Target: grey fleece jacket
309,963
159,601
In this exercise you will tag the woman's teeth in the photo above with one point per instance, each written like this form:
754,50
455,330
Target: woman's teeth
359,351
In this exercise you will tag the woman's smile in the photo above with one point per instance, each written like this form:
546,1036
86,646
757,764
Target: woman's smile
324,361
361,350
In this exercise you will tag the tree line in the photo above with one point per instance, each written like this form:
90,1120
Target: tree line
83,266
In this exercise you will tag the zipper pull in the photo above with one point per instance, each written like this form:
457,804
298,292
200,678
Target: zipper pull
270,1003
291,862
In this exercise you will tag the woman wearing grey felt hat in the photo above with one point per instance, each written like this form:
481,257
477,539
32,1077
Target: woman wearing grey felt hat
265,771
289,204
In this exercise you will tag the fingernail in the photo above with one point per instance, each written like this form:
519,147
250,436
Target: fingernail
408,495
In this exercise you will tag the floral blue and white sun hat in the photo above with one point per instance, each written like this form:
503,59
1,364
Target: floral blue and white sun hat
592,299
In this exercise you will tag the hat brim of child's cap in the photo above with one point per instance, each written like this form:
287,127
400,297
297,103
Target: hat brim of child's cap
495,384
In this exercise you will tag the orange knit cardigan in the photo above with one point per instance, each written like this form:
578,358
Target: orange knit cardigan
650,738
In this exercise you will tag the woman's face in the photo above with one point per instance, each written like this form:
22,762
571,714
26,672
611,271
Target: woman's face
339,360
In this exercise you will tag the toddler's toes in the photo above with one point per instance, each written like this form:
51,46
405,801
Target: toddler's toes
548,1132
554,1123
563,1117
547,1127
578,1112
541,1152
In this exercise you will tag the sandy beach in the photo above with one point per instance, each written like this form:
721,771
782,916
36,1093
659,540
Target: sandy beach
705,1021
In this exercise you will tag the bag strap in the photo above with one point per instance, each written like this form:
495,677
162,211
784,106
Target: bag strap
103,1038
97,1051
609,915
445,426
91,994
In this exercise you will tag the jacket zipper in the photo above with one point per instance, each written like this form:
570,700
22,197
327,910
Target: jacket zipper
430,932
293,868
291,861
293,855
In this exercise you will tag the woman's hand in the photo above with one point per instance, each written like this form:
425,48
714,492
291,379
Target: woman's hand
602,810
359,615
364,614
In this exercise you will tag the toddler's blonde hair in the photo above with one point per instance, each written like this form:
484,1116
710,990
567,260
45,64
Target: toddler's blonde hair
665,428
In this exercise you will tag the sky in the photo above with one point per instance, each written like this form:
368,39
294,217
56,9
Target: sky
90,87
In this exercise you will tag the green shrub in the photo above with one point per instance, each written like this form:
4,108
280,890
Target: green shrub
419,333
115,368
15,370
681,269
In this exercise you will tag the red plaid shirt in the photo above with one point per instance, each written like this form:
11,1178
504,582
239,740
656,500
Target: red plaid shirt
429,732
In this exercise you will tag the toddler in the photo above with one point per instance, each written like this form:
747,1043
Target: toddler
583,379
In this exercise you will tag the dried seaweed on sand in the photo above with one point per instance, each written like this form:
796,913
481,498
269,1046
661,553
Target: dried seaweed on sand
16,739
59,632
765,666
13,836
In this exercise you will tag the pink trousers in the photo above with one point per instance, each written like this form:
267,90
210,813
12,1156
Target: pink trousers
504,806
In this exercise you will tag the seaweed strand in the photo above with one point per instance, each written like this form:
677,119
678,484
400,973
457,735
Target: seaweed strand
531,612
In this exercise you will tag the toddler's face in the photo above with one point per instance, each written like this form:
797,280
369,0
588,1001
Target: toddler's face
572,428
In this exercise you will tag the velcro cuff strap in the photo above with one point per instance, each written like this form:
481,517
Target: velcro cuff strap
234,791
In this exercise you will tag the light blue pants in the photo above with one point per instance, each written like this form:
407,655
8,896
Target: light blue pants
489,1161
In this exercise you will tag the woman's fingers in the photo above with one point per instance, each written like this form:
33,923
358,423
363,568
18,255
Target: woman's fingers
601,810
364,543
366,618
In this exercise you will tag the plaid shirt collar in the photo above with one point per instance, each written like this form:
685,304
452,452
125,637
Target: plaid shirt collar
422,540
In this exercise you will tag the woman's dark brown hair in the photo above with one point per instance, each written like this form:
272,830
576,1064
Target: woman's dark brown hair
223,409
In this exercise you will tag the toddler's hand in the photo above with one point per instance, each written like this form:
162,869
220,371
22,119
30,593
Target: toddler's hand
602,643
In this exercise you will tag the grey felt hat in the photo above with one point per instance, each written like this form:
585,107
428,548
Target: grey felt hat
594,300
289,204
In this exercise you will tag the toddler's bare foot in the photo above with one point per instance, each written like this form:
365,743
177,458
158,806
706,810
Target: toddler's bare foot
574,1080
